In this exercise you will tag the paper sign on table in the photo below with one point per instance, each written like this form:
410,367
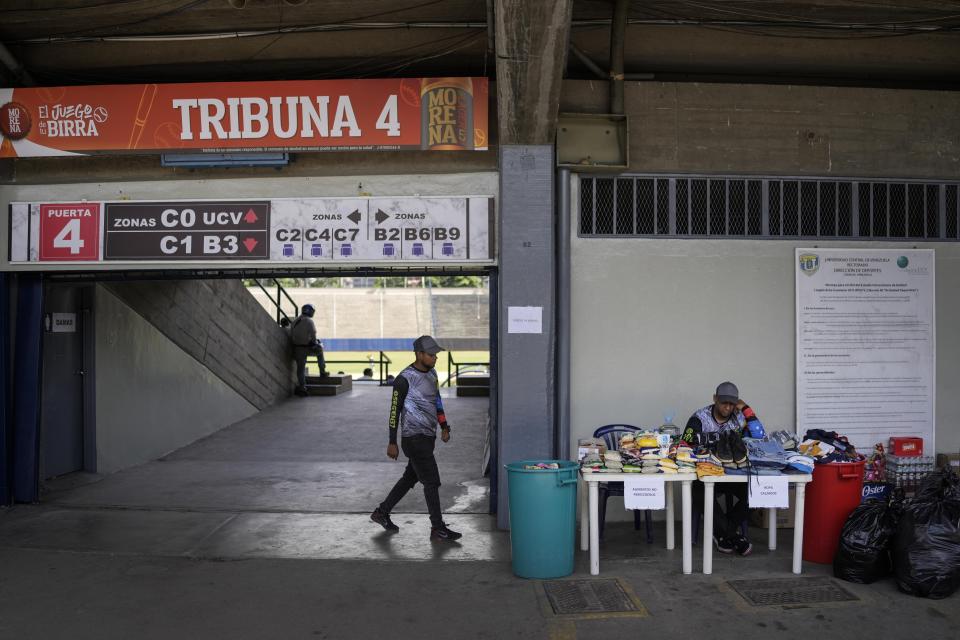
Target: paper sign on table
643,493
769,492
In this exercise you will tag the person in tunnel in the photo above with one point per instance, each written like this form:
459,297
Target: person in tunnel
415,411
303,335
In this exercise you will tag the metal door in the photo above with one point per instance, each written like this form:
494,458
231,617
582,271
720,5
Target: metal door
61,418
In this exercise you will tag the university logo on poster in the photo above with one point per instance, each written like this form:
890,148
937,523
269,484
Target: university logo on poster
809,263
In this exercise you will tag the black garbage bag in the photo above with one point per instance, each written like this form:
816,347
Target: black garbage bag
942,484
926,551
863,554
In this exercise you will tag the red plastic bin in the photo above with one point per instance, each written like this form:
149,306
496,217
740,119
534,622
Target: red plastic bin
834,493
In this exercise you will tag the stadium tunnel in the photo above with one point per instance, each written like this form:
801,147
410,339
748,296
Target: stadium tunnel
170,388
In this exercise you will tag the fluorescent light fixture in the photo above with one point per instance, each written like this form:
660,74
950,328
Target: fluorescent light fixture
199,160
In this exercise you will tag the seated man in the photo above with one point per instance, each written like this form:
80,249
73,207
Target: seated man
367,374
709,425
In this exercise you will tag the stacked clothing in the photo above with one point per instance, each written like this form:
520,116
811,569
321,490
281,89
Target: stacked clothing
816,449
797,462
708,464
794,461
828,446
787,441
766,456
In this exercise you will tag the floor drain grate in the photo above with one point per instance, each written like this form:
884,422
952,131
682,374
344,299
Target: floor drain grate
791,591
589,596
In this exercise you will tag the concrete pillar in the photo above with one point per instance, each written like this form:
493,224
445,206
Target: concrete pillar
526,279
531,42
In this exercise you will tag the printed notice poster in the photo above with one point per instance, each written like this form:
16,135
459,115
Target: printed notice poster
524,319
865,343
644,493
769,492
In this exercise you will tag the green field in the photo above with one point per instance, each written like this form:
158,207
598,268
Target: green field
399,361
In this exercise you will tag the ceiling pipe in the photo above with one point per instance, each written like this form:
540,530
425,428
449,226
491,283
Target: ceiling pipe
590,64
618,33
599,72
20,74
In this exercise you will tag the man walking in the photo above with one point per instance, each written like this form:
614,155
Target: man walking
415,411
303,335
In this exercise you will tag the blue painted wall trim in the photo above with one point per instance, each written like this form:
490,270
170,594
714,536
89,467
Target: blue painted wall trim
26,389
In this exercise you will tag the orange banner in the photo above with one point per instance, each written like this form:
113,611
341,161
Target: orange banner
321,115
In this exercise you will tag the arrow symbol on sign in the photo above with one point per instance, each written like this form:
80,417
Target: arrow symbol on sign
251,217
381,216
250,244
355,216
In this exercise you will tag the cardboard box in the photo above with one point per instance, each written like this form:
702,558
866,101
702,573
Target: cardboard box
758,517
590,445
906,446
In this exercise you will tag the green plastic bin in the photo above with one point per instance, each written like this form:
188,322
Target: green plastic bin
543,513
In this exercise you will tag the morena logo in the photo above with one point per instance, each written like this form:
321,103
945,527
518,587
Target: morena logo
902,262
15,121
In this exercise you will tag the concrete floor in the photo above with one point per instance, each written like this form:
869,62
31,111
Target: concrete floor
261,531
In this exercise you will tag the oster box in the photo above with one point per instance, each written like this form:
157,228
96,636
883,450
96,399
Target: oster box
70,231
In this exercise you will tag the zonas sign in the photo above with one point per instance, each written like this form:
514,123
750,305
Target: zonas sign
325,115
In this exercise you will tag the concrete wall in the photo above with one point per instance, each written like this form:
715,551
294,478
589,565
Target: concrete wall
647,333
651,331
222,327
392,313
789,130
151,396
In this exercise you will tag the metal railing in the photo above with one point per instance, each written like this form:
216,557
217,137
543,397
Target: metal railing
278,302
453,365
383,363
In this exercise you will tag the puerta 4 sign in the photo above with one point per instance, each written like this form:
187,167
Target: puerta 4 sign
186,230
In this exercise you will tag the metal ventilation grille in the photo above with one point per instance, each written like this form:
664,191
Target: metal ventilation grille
768,207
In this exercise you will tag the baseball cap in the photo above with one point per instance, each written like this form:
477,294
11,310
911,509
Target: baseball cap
728,392
427,344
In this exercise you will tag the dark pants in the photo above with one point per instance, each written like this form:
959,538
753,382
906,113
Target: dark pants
300,355
422,468
729,507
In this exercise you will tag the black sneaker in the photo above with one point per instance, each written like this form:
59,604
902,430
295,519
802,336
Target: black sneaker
742,546
723,545
724,450
383,520
301,391
738,448
444,533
